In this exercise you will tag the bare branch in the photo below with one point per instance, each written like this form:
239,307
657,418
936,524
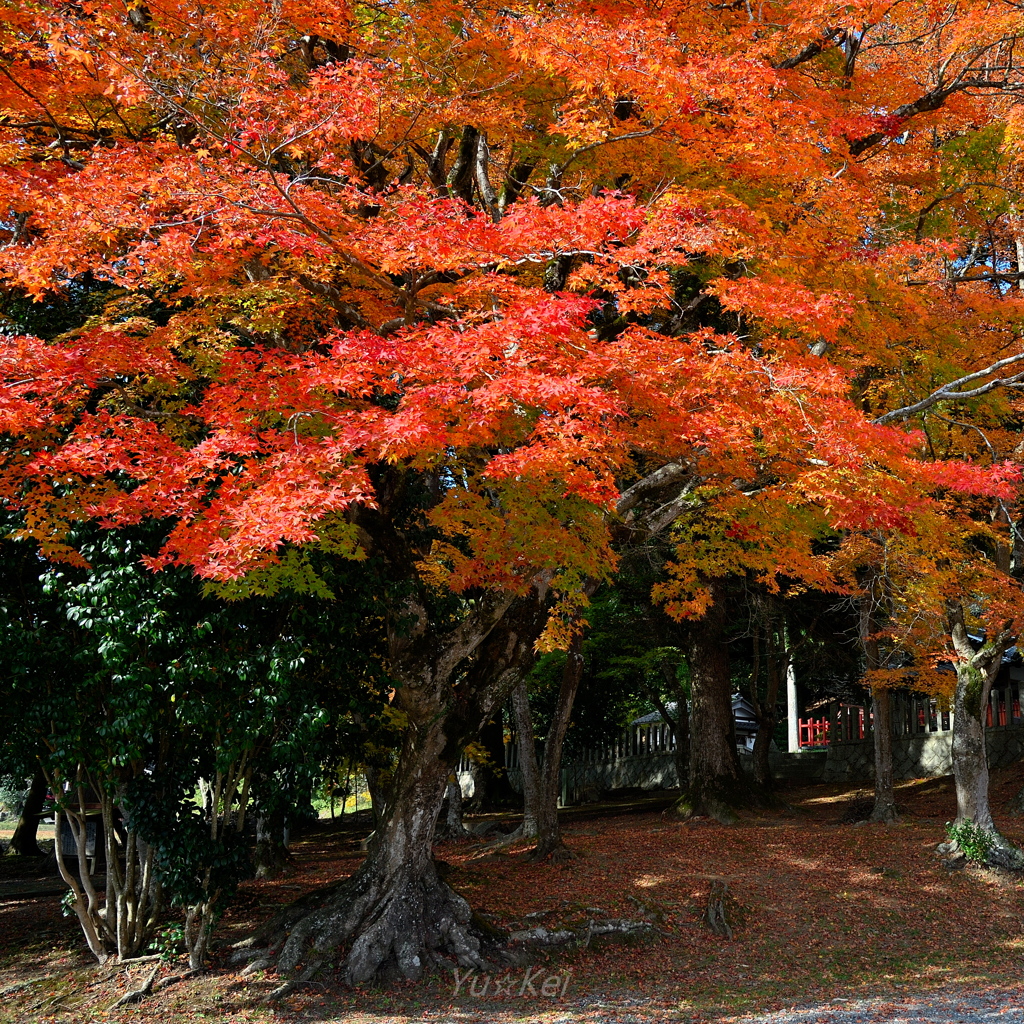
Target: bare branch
948,393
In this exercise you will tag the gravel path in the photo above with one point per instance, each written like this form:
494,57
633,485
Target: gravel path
952,1006
939,1008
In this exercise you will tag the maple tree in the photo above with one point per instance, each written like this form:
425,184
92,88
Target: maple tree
484,294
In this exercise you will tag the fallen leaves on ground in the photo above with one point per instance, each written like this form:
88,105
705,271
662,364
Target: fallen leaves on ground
827,911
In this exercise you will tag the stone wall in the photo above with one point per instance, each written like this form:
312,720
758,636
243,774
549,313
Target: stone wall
582,783
641,758
917,757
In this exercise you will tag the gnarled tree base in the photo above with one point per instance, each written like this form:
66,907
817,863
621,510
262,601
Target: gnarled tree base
554,852
1001,852
884,812
383,929
723,802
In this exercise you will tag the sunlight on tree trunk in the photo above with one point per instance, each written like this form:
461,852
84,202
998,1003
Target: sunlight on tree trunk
23,842
976,670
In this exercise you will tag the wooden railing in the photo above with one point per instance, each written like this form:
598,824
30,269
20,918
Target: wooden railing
916,714
634,741
812,732
912,714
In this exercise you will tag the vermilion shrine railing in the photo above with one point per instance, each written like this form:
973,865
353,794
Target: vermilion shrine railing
813,732
847,723
912,715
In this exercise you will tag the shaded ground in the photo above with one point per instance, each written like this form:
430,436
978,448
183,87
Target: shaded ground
856,912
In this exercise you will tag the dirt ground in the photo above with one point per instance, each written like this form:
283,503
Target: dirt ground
827,910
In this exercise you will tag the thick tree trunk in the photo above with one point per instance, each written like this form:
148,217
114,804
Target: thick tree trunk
270,856
549,834
527,744
716,784
23,842
396,912
396,915
885,793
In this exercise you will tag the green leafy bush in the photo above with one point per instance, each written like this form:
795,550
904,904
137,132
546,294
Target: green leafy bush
12,795
973,841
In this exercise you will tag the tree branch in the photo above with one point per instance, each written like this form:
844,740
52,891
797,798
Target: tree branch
947,392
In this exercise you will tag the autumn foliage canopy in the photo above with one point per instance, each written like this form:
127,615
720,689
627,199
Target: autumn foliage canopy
532,254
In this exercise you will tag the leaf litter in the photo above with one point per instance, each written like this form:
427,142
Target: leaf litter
838,923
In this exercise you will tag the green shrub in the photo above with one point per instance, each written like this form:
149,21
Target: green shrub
12,795
973,840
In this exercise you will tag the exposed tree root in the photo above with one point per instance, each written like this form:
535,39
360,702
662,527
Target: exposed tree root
136,995
174,979
613,929
519,834
393,928
552,852
19,985
1001,853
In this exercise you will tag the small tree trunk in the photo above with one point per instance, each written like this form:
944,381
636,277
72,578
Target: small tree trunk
767,714
527,744
377,786
716,783
549,834
199,922
885,793
681,754
449,825
270,856
763,778
23,842
881,710
491,789
679,722
975,672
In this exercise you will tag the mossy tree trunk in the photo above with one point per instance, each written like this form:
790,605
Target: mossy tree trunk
976,670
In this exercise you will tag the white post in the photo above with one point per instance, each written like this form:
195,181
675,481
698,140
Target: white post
791,709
